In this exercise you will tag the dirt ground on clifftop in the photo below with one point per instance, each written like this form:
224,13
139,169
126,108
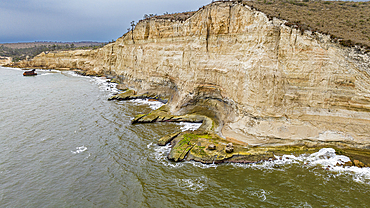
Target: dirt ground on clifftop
345,20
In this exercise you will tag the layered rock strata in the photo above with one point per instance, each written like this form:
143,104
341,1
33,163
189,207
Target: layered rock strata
261,82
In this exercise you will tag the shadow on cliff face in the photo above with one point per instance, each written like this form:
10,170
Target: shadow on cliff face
207,100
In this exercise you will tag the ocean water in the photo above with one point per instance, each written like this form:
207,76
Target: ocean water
62,144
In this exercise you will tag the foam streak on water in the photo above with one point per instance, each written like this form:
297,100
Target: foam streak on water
195,185
325,158
185,126
79,149
154,105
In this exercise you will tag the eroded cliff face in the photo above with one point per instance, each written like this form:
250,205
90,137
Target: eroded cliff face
5,60
261,81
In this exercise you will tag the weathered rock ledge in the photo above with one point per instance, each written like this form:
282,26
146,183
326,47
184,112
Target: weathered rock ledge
204,145
261,82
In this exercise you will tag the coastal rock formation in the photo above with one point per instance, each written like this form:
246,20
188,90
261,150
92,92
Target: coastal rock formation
5,60
260,81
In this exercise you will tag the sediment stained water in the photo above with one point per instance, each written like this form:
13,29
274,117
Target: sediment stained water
62,144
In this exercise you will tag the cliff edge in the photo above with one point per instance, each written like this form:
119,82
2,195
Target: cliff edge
262,83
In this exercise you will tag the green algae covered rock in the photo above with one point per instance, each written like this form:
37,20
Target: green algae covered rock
167,139
123,96
206,146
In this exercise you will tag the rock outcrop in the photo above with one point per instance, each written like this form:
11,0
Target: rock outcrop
5,60
263,83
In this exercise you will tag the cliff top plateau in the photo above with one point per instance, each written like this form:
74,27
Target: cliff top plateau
346,21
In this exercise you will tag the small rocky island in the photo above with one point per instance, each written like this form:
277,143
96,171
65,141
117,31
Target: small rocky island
260,86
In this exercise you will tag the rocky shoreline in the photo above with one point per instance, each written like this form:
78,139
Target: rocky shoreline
205,146
248,78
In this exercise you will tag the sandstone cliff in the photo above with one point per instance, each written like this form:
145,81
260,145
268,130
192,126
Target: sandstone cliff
261,81
5,60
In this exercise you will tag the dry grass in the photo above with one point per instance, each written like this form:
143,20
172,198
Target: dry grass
347,22
173,17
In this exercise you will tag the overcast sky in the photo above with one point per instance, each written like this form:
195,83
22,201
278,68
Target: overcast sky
78,20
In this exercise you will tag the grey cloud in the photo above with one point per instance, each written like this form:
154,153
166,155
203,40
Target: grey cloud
74,20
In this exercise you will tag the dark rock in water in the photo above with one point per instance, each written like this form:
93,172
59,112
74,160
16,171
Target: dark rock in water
212,147
229,149
349,163
167,139
358,163
30,73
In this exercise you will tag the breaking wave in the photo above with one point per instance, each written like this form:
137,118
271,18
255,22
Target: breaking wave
193,184
325,158
189,126
154,105
105,84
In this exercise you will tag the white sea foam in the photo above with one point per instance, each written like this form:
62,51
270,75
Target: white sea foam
105,84
154,105
88,156
201,165
49,71
149,145
325,159
189,126
260,193
160,154
79,149
74,74
45,74
16,69
196,185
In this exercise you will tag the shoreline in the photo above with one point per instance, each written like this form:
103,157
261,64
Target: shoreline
273,88
196,145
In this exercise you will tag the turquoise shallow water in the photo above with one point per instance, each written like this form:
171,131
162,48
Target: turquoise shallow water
62,144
